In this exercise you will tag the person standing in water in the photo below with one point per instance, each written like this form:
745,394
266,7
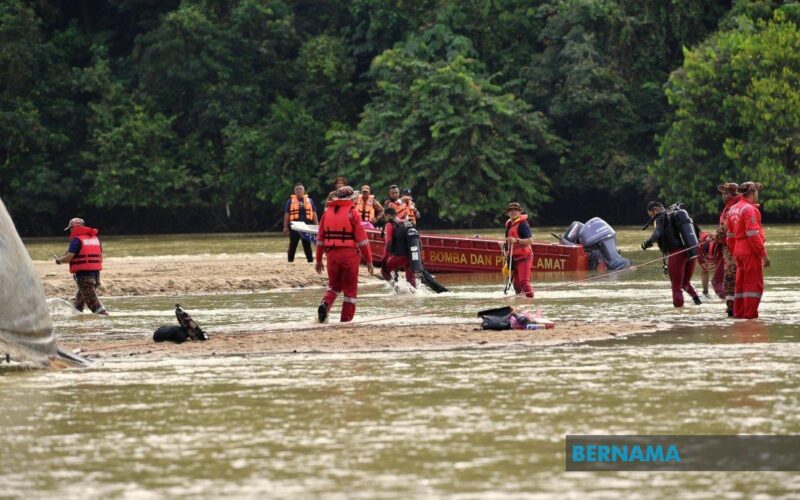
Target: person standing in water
519,239
749,250
343,241
679,266
730,197
85,258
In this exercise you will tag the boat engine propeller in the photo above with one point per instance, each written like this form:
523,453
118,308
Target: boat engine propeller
599,240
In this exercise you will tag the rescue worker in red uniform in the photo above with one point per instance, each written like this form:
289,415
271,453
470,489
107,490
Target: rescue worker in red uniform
397,203
343,240
85,258
730,197
519,239
396,250
679,266
368,207
749,250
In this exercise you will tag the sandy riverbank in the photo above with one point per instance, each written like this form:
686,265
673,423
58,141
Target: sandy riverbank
333,338
192,274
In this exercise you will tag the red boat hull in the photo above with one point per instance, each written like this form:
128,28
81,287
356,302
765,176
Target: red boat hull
460,254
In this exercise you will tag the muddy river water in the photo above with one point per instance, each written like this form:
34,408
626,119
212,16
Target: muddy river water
467,423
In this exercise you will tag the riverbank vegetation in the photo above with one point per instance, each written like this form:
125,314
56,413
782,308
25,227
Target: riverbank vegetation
172,115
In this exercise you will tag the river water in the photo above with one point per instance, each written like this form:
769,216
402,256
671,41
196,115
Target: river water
465,423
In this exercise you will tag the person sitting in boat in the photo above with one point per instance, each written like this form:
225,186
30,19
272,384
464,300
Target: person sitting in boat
397,249
338,183
396,202
519,239
413,213
369,208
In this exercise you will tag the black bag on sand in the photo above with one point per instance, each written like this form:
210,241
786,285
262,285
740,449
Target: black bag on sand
170,333
498,318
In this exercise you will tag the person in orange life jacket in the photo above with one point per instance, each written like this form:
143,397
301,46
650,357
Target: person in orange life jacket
413,213
395,253
749,250
368,207
397,203
341,238
85,258
730,197
301,208
679,266
519,239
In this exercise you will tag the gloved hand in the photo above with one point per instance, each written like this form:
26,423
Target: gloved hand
646,245
767,262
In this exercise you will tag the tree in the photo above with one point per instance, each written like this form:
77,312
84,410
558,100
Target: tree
438,125
737,116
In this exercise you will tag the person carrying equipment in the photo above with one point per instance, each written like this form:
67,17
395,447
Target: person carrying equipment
749,250
299,208
519,239
343,240
730,197
396,252
368,207
85,257
397,203
413,213
681,257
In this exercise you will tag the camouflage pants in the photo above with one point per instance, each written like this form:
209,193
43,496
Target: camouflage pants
729,278
87,292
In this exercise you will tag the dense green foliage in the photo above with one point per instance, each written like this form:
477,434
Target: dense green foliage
737,115
202,114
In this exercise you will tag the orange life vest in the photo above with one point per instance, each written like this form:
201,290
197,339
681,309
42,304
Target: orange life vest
294,208
412,212
366,209
90,256
400,206
338,227
512,230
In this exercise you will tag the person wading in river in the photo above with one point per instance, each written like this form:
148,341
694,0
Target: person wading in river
519,239
85,258
396,251
679,266
730,197
749,249
341,238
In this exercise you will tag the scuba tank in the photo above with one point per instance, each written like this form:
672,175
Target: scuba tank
684,228
414,248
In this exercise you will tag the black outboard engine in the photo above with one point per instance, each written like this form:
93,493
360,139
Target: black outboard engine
600,241
572,235
684,228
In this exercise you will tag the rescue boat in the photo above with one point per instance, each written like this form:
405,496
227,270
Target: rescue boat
463,254
583,247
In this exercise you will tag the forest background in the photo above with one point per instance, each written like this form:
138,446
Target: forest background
200,115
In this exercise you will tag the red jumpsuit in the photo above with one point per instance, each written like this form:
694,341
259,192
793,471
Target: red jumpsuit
749,252
392,263
522,257
340,237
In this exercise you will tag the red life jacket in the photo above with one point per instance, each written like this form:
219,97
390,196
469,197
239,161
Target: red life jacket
725,230
90,256
512,230
337,229
748,231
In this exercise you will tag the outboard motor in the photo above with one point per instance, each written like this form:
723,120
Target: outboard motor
600,240
684,228
572,234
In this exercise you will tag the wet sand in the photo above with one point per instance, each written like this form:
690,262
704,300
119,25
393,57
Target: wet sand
194,274
334,338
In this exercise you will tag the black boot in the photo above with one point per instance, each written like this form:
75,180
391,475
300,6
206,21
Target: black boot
697,300
322,312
